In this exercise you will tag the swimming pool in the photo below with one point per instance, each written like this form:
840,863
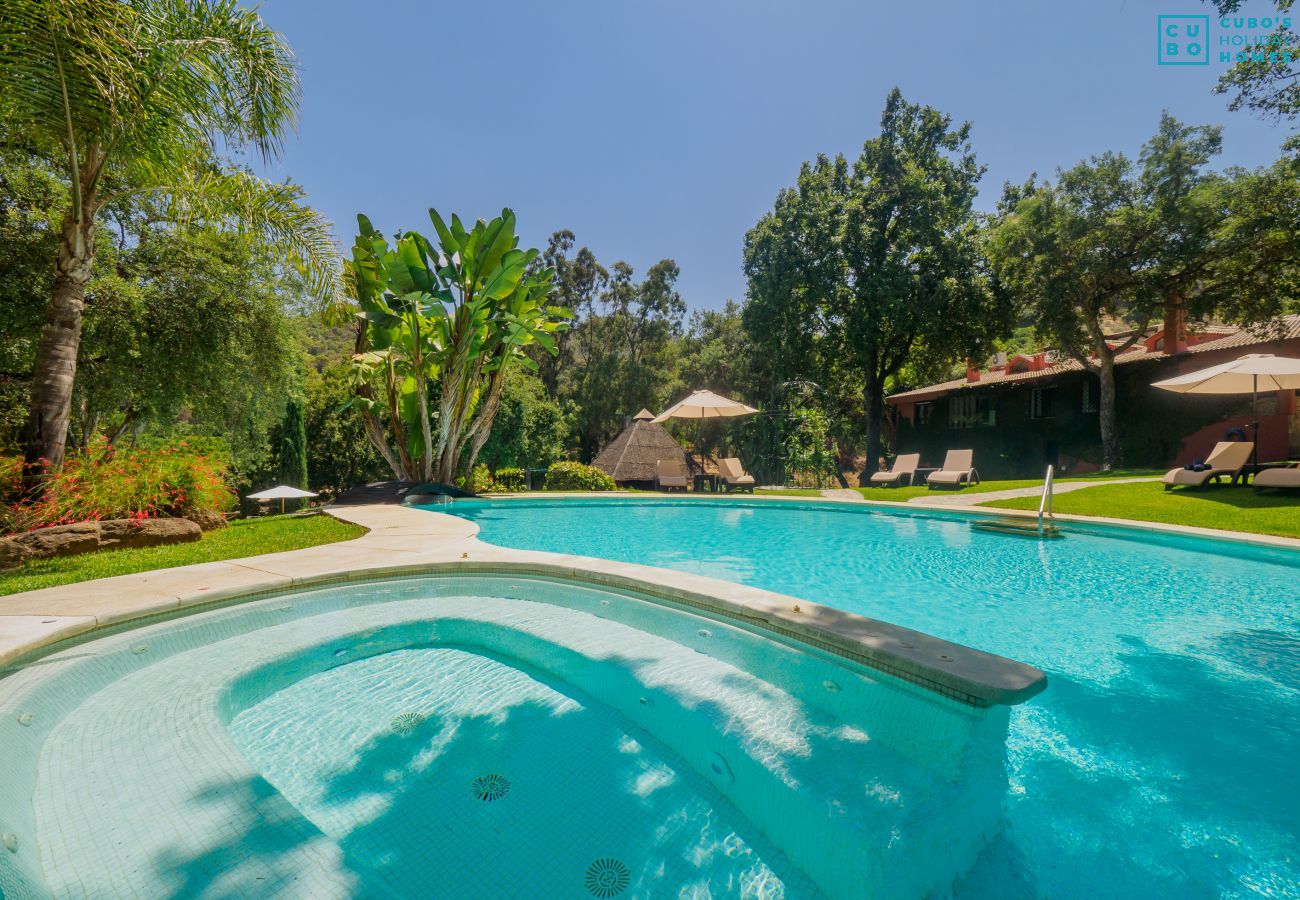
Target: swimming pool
1162,758
486,735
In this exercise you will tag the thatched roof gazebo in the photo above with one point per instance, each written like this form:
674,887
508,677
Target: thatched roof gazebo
632,456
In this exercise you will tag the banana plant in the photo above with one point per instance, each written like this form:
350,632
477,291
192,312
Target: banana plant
454,315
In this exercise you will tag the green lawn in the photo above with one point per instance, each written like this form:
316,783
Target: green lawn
247,537
1229,508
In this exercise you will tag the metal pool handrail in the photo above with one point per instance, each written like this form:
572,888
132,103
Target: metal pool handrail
1045,502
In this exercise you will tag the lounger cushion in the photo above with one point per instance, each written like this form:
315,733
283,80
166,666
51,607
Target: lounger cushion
739,479
887,477
948,477
1189,477
1278,478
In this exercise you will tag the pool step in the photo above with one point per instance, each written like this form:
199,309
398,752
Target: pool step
1019,527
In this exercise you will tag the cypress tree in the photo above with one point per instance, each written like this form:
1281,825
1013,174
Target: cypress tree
293,447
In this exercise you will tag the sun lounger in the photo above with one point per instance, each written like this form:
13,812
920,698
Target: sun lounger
1226,458
958,469
1281,478
904,468
732,475
670,474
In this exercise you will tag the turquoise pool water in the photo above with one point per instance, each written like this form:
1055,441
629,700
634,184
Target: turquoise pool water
487,735
1162,758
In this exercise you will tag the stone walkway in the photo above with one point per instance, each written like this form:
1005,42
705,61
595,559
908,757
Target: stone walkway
967,498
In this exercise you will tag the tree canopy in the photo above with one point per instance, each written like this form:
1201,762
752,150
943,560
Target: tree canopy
133,100
860,267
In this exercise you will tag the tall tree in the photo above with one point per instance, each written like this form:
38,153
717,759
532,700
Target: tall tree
132,98
293,446
864,266
1112,242
619,353
1072,254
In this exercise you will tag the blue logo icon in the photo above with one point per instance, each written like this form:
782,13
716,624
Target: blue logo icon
1183,40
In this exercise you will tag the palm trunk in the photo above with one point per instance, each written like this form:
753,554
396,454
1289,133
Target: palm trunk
426,431
370,422
55,370
481,428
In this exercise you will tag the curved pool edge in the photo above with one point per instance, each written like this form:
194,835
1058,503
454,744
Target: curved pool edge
403,540
1133,527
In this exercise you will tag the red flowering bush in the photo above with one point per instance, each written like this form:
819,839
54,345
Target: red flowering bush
108,482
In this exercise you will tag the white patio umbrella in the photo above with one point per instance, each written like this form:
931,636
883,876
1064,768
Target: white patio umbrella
1251,374
705,405
281,492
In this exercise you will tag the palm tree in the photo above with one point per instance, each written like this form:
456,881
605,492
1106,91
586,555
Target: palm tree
137,98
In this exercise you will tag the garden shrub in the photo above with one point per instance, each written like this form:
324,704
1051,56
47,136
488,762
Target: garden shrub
573,476
478,481
510,480
110,482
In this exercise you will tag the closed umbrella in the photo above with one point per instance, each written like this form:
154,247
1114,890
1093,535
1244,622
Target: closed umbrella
281,492
1251,374
705,405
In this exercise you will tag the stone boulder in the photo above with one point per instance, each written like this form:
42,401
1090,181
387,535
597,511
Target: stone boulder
83,537
12,553
61,540
206,519
147,532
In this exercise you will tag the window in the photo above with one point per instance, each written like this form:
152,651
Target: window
1042,402
923,413
961,411
1089,396
970,411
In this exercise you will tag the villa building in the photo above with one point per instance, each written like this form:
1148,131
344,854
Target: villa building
1020,414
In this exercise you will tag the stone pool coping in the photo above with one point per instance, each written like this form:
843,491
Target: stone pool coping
915,505
404,540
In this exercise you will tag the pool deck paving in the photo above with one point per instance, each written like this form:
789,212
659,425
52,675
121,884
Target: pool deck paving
402,540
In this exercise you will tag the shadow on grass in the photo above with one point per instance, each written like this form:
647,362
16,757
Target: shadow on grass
1238,497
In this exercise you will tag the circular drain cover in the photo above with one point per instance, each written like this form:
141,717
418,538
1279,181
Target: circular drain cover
490,787
406,723
608,877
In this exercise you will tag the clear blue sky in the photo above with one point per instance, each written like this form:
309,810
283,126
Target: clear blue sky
665,128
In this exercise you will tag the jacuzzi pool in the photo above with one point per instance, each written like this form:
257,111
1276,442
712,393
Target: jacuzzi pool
1162,759
483,736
